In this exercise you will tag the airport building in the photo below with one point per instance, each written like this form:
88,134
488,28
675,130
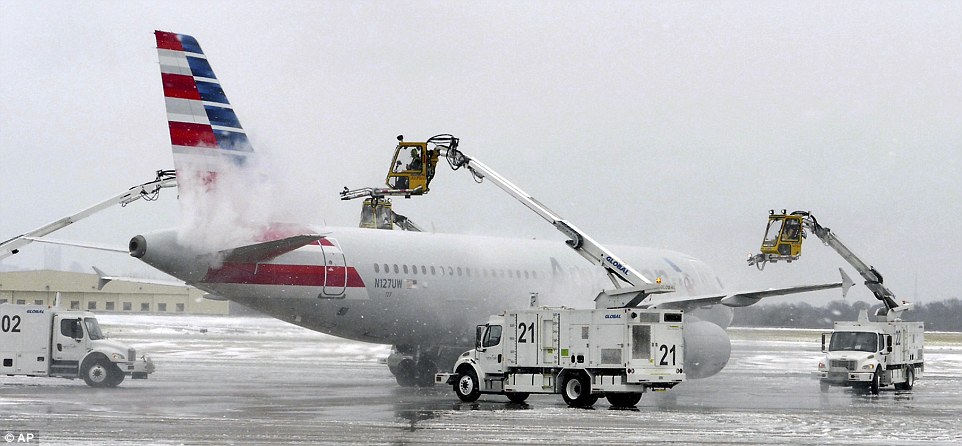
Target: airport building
78,291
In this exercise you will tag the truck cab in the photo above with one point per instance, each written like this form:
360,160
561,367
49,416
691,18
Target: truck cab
872,354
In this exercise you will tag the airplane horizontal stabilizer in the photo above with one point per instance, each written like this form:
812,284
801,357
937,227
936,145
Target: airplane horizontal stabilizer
268,250
103,279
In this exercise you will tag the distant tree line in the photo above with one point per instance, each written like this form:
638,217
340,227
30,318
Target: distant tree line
945,315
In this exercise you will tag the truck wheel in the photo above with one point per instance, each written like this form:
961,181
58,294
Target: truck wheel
117,378
576,390
99,372
517,397
823,385
467,386
909,379
623,399
876,381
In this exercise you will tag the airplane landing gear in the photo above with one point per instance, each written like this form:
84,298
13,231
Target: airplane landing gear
414,366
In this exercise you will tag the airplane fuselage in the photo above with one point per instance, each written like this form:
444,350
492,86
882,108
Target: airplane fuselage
410,288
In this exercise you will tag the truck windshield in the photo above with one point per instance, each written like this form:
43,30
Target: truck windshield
492,337
862,341
93,329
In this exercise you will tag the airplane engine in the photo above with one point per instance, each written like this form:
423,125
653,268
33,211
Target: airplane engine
707,348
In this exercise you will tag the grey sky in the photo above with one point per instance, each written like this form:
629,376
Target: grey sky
667,125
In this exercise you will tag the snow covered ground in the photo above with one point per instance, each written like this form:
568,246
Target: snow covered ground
223,380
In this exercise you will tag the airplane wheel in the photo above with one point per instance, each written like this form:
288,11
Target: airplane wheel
517,397
405,373
467,386
623,399
99,372
424,374
576,390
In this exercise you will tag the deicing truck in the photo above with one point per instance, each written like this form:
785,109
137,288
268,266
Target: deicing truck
36,340
871,354
617,353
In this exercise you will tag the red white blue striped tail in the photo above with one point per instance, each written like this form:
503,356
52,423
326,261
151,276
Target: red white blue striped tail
206,136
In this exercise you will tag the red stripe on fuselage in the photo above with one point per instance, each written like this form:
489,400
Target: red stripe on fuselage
168,41
280,274
179,86
191,135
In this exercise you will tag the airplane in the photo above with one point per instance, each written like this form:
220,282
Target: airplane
422,293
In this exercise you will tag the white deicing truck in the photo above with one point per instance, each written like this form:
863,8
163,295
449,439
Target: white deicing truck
37,340
617,353
871,354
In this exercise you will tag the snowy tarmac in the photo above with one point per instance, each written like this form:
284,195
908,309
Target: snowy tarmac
261,381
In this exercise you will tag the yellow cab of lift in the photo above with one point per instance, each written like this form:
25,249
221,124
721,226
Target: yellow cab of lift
412,168
783,236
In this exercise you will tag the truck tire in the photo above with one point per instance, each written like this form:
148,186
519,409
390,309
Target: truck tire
118,377
576,390
876,382
517,397
823,385
467,386
623,399
99,372
909,379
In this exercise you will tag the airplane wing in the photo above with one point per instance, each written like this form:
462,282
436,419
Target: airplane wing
743,299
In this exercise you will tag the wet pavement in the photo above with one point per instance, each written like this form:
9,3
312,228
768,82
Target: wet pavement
261,381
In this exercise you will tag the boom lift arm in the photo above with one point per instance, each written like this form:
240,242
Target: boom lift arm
638,286
784,242
148,191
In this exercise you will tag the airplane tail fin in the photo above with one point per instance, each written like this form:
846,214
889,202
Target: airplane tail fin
206,136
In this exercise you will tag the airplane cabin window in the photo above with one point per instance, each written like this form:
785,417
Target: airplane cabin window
526,276
377,268
405,269
459,271
424,270
432,270
396,271
414,269
386,269
450,271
